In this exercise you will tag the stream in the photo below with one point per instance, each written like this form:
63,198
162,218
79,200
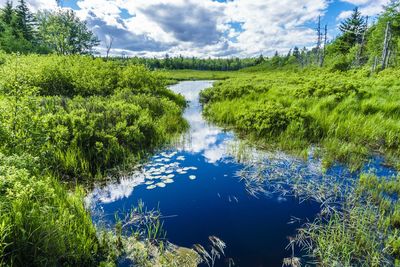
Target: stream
199,189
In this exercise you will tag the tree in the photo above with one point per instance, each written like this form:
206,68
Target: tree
25,20
11,34
64,33
353,28
109,43
260,59
8,13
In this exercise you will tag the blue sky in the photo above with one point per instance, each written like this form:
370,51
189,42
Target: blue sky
209,28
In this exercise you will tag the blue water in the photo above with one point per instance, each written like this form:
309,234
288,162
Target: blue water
202,195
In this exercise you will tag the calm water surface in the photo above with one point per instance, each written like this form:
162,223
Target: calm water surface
201,194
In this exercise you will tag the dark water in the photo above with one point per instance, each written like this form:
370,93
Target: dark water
202,195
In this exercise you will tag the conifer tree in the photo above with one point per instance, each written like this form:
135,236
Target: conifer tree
25,20
353,28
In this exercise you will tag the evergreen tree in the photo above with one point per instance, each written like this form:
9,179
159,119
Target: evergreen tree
25,20
7,13
353,28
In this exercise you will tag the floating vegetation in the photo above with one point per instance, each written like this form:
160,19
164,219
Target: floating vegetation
168,181
161,184
150,187
192,177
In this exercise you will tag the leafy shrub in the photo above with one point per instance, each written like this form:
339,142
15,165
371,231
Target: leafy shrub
93,116
41,223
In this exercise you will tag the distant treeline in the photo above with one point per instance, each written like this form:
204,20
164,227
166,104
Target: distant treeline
216,64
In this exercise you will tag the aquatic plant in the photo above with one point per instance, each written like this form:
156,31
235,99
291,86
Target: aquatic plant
292,261
217,248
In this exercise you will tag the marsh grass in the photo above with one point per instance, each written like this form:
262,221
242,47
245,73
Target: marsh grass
358,223
139,236
348,115
216,250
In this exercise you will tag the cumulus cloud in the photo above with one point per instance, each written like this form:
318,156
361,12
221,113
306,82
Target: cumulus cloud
123,38
201,28
366,7
35,4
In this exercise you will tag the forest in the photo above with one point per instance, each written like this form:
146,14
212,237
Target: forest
70,118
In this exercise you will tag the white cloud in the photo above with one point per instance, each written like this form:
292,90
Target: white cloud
367,7
35,5
200,28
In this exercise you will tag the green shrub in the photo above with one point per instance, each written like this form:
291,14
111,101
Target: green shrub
41,223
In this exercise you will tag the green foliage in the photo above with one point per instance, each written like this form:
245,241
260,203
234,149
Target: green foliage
193,63
82,116
41,223
366,231
59,31
348,114
64,33
64,117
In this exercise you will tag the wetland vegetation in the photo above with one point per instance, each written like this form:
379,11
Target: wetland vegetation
69,121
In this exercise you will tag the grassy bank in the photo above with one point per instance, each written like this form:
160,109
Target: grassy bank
349,115
71,119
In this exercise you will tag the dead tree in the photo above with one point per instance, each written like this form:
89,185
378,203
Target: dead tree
109,43
324,49
319,41
386,47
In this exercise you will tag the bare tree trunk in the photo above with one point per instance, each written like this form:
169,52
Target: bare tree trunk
319,41
324,50
374,64
386,51
109,44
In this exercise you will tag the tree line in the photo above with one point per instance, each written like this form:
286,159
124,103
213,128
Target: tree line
213,64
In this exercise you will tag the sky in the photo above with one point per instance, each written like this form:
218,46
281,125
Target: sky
209,28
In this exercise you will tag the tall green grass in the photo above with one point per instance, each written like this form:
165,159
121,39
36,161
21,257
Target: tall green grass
348,114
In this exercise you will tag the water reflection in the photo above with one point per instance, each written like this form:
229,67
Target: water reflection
203,138
210,185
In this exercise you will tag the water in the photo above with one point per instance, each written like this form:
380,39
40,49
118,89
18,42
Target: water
197,189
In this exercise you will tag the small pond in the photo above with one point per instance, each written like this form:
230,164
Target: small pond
199,189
